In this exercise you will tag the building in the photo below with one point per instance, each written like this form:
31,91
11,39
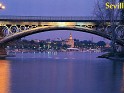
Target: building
107,45
70,41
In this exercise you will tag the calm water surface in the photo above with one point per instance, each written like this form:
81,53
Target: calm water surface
72,72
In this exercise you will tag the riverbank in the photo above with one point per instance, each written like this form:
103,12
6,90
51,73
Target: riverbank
3,56
9,55
113,56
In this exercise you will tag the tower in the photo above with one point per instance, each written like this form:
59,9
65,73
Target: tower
70,41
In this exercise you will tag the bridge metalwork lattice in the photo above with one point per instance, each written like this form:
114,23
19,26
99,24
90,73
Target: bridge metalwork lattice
14,27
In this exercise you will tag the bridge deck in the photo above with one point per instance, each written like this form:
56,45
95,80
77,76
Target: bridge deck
49,18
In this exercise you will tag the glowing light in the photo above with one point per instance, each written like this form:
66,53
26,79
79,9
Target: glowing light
61,24
3,7
0,4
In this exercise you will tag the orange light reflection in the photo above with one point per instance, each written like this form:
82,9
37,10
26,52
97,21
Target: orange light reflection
4,76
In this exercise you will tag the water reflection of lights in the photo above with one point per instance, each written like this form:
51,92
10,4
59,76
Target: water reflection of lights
51,54
4,76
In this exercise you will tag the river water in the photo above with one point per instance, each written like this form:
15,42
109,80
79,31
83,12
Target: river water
62,72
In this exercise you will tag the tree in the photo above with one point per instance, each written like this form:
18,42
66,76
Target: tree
65,46
122,14
104,15
101,43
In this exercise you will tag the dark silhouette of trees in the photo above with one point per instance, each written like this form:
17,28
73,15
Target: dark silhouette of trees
108,15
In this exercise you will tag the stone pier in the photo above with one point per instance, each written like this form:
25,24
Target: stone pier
3,52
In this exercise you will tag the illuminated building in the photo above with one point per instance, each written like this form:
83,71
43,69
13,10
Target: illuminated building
70,41
107,45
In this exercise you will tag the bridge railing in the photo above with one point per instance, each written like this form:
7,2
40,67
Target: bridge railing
52,18
47,18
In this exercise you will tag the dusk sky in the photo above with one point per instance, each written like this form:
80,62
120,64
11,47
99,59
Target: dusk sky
52,8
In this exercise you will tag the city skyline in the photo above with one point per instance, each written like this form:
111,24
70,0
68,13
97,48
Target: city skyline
76,35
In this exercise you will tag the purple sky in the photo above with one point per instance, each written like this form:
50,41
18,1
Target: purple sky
52,8
48,7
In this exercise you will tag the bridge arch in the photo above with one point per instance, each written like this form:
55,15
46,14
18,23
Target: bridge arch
45,29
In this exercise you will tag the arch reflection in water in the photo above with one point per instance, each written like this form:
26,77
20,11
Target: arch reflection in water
4,76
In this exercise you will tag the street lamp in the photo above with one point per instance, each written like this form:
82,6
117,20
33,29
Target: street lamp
2,6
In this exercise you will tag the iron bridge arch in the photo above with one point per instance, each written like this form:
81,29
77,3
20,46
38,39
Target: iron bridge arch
34,30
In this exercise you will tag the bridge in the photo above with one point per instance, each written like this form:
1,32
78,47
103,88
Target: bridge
15,27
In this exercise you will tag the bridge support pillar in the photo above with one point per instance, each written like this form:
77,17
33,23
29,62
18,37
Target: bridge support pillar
3,52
